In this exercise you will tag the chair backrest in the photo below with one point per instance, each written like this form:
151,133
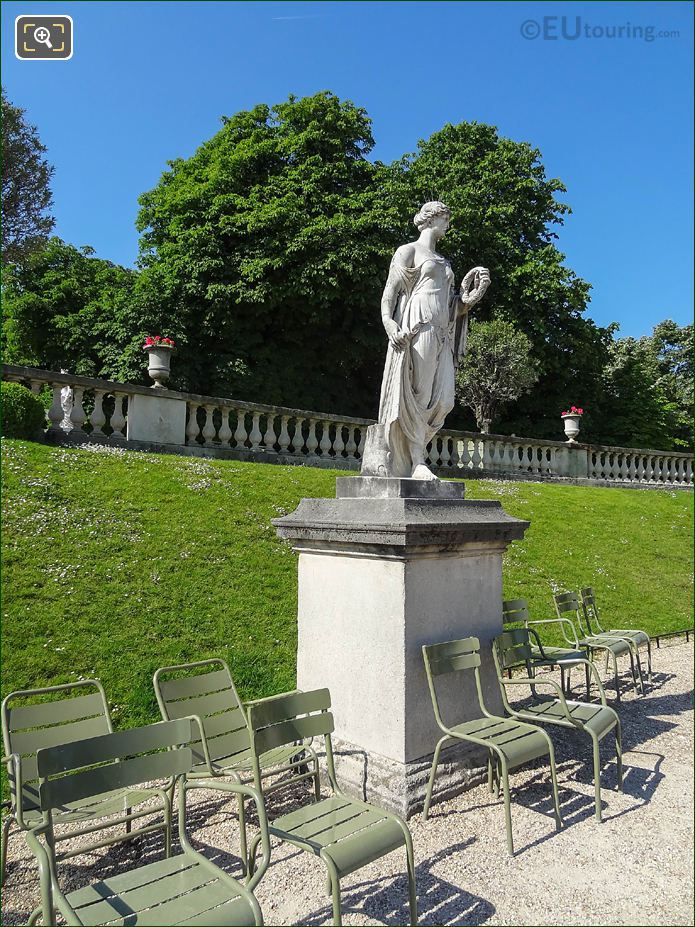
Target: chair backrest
73,712
567,606
452,657
515,611
590,609
288,719
75,771
512,648
211,696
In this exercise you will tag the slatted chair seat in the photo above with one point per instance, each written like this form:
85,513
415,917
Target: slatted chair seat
73,712
243,761
512,648
519,743
179,890
345,833
184,889
635,637
509,742
350,832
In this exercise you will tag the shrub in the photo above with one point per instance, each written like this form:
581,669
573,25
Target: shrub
23,413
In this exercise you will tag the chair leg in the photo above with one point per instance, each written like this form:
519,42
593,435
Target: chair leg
489,774
167,830
640,676
334,882
597,776
563,684
615,675
6,824
412,886
507,808
619,755
251,864
35,915
317,782
587,675
430,784
649,659
556,796
242,835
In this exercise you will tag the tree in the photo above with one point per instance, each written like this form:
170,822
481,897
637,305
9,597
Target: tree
264,255
673,347
63,307
504,214
26,194
498,367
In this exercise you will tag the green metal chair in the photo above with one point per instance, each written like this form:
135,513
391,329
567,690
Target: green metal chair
638,638
514,613
183,889
344,833
513,647
566,605
224,747
27,726
509,743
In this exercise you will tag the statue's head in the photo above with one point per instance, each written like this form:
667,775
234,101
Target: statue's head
429,212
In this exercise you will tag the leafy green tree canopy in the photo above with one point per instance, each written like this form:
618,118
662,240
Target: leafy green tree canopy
26,194
265,253
65,308
497,368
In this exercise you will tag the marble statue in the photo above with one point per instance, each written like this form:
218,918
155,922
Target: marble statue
426,322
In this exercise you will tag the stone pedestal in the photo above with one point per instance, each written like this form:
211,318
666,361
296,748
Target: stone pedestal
385,567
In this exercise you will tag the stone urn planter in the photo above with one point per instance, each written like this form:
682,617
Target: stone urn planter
571,420
159,362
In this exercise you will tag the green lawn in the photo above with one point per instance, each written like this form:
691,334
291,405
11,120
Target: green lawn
115,563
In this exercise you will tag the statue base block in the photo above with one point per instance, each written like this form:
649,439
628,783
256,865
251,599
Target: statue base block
387,566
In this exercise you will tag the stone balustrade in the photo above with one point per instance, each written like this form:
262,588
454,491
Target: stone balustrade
166,420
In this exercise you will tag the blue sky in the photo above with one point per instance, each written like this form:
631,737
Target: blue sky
149,81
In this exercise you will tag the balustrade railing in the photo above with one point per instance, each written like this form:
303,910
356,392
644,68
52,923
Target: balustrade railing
104,411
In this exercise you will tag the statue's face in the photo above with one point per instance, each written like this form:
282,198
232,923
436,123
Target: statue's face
440,224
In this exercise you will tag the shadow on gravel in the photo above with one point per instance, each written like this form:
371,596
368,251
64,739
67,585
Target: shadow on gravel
385,900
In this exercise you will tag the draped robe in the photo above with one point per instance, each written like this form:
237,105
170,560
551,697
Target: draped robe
417,390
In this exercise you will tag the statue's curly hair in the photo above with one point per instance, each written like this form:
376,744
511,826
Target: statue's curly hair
430,211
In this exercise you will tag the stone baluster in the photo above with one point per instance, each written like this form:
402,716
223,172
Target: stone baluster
209,426
632,468
97,418
351,446
430,454
117,421
298,438
649,469
639,468
35,386
363,438
326,442
225,432
284,437
338,442
269,435
662,470
688,471
465,453
476,455
455,456
55,412
240,435
77,416
312,441
192,426
487,461
255,436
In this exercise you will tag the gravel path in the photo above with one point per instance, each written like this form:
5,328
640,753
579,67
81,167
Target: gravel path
634,868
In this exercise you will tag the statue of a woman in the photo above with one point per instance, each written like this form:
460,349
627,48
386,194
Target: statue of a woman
426,323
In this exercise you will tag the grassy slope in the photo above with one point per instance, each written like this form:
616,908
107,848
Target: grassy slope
115,564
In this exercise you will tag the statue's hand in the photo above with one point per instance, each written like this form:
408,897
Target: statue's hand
397,337
473,286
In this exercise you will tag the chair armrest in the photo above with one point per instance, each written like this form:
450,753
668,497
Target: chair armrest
536,681
594,672
248,791
269,698
204,741
14,765
562,622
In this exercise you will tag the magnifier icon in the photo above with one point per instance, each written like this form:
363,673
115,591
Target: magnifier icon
43,35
